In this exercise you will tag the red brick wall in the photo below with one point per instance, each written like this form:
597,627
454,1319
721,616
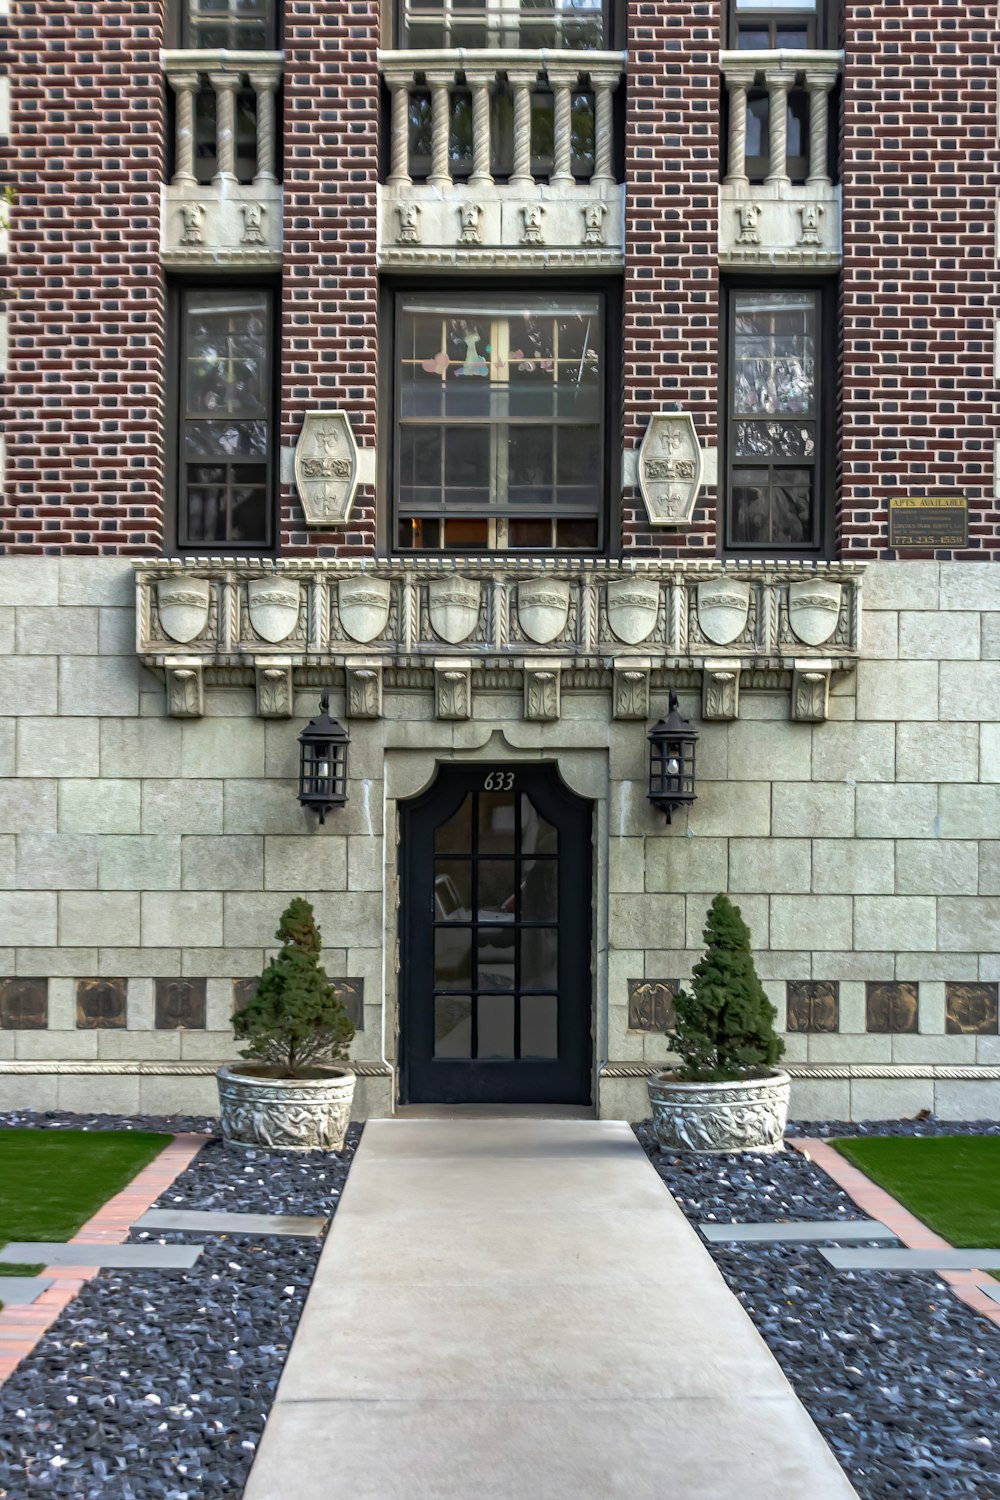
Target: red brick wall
921,178
330,312
84,401
671,268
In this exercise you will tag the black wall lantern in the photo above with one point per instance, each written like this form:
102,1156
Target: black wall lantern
323,762
671,761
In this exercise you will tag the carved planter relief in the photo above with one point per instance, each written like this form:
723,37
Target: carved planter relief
363,604
288,1114
670,468
273,605
326,468
747,1115
182,605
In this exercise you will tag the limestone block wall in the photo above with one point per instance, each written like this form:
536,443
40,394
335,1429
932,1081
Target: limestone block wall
144,860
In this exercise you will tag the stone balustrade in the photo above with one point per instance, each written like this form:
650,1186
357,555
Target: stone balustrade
234,217
501,622
466,204
775,220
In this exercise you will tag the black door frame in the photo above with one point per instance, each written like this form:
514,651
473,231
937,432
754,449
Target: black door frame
565,1080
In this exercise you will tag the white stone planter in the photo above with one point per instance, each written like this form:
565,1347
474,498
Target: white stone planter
747,1115
259,1107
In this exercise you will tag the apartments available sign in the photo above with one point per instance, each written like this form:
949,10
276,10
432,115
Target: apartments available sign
928,521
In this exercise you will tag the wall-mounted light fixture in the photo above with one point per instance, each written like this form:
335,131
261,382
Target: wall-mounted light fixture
323,762
671,761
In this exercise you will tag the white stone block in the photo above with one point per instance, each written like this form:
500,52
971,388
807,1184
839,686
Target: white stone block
208,1046
8,878
108,805
729,809
966,1099
188,1095
98,686
7,617
28,918
273,807
770,751
901,585
686,864
933,967
8,739
970,690
989,868
28,1091
43,963
891,922
820,1099
103,917
819,810
854,752
182,806
28,683
831,1047
365,863
853,1017
906,810
216,747
769,865
937,752
141,747
811,921
46,631
56,861
890,1098
627,864
143,1046
57,1046
849,966
936,635
226,963
948,1050
969,812
295,863
139,964
623,1099
968,924
281,750
96,580
646,921
222,862
990,636
937,867
29,580
27,806
989,752
969,586
897,690
853,866
880,635
988,1051
115,631
140,862
182,918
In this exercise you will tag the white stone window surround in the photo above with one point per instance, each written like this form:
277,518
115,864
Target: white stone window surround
4,106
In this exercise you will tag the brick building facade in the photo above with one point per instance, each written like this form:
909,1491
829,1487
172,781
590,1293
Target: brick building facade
500,372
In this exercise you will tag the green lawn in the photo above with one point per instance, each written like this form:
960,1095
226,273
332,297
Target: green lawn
952,1182
53,1181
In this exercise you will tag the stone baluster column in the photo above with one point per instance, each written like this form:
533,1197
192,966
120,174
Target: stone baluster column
399,175
522,84
738,84
482,176
226,86
265,86
819,86
604,135
779,82
185,87
440,86
562,127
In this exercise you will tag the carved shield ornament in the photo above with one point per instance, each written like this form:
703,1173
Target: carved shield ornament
543,608
364,607
670,468
633,605
453,604
182,605
814,609
326,468
723,606
274,607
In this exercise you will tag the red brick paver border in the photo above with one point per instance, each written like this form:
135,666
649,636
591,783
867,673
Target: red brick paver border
22,1327
913,1232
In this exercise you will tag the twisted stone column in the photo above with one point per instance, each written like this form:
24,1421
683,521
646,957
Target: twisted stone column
522,84
399,90
265,87
440,85
603,133
226,86
185,87
738,85
562,129
778,85
819,86
481,163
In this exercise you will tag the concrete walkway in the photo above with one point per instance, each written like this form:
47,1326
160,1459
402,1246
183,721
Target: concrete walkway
517,1310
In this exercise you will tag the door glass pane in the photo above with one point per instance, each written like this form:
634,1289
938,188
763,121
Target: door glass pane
452,957
495,957
452,890
539,958
540,1026
496,822
496,1026
497,883
452,1026
539,890
455,836
538,835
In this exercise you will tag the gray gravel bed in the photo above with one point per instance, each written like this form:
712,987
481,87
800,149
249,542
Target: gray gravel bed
901,1378
156,1385
931,1125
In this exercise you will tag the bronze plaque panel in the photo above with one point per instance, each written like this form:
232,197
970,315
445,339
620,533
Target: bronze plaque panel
351,992
651,1004
24,1004
101,1004
924,521
180,1004
243,992
812,1005
971,1008
891,1006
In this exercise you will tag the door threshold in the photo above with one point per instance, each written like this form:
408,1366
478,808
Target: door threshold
494,1112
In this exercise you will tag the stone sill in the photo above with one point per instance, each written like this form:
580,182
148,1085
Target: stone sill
228,214
775,234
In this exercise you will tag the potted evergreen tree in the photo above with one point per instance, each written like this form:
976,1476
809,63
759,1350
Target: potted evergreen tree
727,1095
291,1094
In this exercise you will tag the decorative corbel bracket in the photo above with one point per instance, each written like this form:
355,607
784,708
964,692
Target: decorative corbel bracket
453,689
811,691
364,689
275,696
541,690
185,687
720,690
631,688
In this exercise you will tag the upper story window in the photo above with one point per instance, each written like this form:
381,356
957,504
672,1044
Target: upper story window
571,24
499,422
780,373
241,25
794,25
225,439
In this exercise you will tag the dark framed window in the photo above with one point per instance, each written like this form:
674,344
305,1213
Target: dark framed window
753,26
758,149
500,422
224,456
460,133
242,25
780,367
574,24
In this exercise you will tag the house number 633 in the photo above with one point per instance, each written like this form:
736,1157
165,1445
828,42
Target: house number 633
499,781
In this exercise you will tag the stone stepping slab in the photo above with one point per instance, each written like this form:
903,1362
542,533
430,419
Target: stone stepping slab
992,1289
207,1221
912,1260
804,1231
118,1257
18,1291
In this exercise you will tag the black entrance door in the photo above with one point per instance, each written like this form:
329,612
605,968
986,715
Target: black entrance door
495,961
